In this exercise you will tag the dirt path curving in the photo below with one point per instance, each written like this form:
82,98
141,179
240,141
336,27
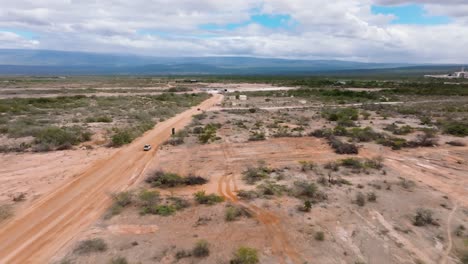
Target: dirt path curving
41,230
281,246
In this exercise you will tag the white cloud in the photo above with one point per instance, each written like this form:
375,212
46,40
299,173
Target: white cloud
341,29
13,40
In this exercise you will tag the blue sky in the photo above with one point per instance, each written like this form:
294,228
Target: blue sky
412,14
268,21
23,33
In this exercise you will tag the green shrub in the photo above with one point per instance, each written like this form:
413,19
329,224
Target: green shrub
122,137
201,249
375,163
393,142
253,175
342,114
148,199
163,210
309,191
456,128
271,188
366,134
232,213
245,255
91,246
123,198
202,198
319,236
56,136
209,133
306,207
179,203
322,133
166,179
352,163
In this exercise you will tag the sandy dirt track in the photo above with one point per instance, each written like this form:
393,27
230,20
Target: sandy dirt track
37,233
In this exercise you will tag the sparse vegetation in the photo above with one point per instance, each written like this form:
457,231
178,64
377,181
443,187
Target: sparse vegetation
341,147
308,191
201,249
247,195
344,116
209,133
395,129
118,260
455,128
257,136
52,137
255,174
169,180
371,197
423,217
407,184
245,255
456,143
232,213
306,207
319,236
307,165
270,188
202,198
360,199
91,246
6,211
42,118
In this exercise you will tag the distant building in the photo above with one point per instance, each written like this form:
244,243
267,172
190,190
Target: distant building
243,97
456,75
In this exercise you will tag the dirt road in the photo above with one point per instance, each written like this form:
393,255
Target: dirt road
37,233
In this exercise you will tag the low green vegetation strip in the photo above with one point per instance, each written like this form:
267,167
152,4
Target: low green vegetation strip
61,122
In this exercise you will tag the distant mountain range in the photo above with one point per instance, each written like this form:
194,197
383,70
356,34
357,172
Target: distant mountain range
48,62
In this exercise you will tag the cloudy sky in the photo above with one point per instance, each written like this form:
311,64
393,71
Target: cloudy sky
434,31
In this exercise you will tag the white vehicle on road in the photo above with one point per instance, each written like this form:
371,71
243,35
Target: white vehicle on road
147,147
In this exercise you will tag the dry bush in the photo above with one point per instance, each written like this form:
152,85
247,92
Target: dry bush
201,249
91,246
6,211
424,217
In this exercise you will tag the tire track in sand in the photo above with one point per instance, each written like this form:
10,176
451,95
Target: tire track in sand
449,235
272,223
